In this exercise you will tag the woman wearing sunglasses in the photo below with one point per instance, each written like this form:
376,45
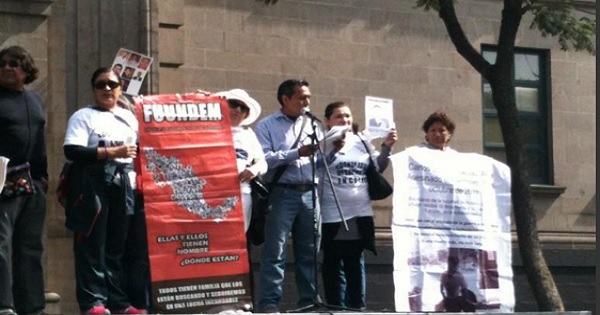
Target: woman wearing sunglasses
101,142
23,197
243,111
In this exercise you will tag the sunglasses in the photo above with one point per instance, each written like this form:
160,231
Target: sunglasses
10,64
236,104
101,85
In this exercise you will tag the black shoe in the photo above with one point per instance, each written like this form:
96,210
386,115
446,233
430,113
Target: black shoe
270,309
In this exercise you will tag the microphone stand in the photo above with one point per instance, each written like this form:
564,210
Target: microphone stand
317,302
335,197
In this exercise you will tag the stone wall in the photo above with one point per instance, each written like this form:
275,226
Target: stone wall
348,49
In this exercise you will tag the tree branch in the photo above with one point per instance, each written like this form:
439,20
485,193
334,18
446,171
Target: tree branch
460,41
267,2
511,19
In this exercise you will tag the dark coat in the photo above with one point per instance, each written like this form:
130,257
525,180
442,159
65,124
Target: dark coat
366,228
83,181
83,205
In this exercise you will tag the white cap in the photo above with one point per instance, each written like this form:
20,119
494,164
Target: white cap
242,96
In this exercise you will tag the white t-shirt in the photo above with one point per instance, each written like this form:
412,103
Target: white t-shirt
348,173
88,126
249,154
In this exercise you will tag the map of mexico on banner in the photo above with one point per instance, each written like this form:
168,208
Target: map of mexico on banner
195,227
451,232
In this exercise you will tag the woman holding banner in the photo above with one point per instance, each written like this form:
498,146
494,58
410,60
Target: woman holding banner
243,111
135,259
343,261
438,128
100,141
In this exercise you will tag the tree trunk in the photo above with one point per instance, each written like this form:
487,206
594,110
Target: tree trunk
501,82
539,276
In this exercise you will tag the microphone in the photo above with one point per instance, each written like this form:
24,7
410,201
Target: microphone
306,112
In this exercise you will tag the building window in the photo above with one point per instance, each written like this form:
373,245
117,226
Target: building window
531,77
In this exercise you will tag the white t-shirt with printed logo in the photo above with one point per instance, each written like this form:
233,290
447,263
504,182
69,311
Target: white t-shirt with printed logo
88,127
348,174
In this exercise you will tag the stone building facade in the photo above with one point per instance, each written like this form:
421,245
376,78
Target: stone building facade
346,49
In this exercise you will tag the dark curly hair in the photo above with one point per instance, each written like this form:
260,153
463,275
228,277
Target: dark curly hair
24,57
439,116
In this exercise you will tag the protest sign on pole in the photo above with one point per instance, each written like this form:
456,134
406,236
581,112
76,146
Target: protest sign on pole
451,232
196,240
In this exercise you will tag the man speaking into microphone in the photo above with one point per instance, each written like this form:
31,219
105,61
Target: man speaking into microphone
286,140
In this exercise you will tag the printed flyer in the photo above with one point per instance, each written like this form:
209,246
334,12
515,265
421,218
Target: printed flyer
132,67
451,232
379,116
196,239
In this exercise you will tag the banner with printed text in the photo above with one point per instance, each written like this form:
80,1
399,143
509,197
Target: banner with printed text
451,232
196,239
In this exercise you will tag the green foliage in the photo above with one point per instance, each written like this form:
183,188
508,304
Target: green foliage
557,20
554,18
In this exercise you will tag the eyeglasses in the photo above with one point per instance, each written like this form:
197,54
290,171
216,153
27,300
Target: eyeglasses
101,85
236,104
11,64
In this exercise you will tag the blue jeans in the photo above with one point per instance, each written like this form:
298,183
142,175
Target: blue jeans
343,273
292,211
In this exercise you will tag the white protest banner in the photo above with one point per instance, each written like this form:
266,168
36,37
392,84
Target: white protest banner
451,232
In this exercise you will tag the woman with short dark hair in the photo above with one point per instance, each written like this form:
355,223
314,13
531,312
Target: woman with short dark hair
100,140
343,259
25,60
23,196
438,128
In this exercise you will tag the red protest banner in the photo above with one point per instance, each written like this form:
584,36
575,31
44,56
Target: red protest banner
196,239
